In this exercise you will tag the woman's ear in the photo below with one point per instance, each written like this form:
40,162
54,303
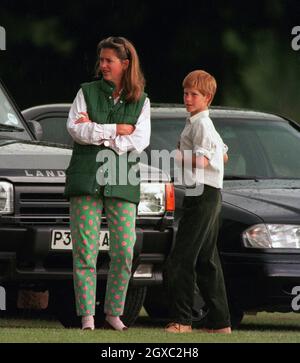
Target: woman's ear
125,64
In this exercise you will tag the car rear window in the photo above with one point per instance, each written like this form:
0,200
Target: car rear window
261,148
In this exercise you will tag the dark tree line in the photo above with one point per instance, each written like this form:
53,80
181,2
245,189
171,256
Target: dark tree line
246,45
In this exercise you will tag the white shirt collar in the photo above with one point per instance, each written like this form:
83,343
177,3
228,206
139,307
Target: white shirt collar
202,114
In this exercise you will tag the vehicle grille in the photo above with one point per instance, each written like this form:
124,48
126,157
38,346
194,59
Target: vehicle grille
46,204
41,203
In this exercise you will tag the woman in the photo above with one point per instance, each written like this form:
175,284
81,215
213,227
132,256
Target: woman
108,115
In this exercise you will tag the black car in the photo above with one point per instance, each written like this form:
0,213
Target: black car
35,244
259,238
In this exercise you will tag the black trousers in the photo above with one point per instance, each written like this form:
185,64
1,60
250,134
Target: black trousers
195,260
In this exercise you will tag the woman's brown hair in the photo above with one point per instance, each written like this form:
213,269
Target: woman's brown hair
133,80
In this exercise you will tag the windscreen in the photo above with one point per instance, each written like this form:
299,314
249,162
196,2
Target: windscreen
9,117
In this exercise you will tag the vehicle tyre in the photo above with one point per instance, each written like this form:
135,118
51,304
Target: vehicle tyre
156,303
63,301
134,302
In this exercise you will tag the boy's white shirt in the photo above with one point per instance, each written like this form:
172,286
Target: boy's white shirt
92,133
200,137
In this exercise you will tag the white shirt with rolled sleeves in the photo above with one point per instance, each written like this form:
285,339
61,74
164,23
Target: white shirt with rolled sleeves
200,136
92,133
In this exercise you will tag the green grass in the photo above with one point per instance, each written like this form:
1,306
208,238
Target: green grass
262,328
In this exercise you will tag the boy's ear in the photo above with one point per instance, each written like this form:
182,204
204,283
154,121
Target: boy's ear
208,98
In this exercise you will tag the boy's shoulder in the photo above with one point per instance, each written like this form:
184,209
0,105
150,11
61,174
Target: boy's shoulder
203,120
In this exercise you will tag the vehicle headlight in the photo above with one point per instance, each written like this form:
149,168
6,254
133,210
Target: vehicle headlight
6,198
272,236
156,199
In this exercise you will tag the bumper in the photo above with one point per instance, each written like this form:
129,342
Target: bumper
26,255
262,281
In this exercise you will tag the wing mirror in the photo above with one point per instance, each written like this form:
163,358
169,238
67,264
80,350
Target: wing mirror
36,129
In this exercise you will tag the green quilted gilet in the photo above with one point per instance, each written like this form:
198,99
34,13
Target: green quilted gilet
81,173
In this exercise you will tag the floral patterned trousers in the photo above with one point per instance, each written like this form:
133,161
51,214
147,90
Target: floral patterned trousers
85,224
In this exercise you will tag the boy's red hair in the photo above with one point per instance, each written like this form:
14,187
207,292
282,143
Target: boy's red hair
202,81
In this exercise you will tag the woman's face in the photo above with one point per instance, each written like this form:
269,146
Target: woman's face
112,67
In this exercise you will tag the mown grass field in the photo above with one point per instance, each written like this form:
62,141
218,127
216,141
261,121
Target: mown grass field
262,328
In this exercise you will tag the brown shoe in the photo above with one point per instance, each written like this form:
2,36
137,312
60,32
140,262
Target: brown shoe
226,330
178,328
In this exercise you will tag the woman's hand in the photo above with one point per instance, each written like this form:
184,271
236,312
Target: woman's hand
125,129
83,118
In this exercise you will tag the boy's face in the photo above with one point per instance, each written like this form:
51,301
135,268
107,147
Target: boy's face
195,101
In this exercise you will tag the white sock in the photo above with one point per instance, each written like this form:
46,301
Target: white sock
87,322
115,322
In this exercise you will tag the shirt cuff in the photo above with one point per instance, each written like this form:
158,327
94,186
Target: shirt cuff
109,131
203,152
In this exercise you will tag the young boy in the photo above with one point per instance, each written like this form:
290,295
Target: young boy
195,258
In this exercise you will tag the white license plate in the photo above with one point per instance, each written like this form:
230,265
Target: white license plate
61,240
